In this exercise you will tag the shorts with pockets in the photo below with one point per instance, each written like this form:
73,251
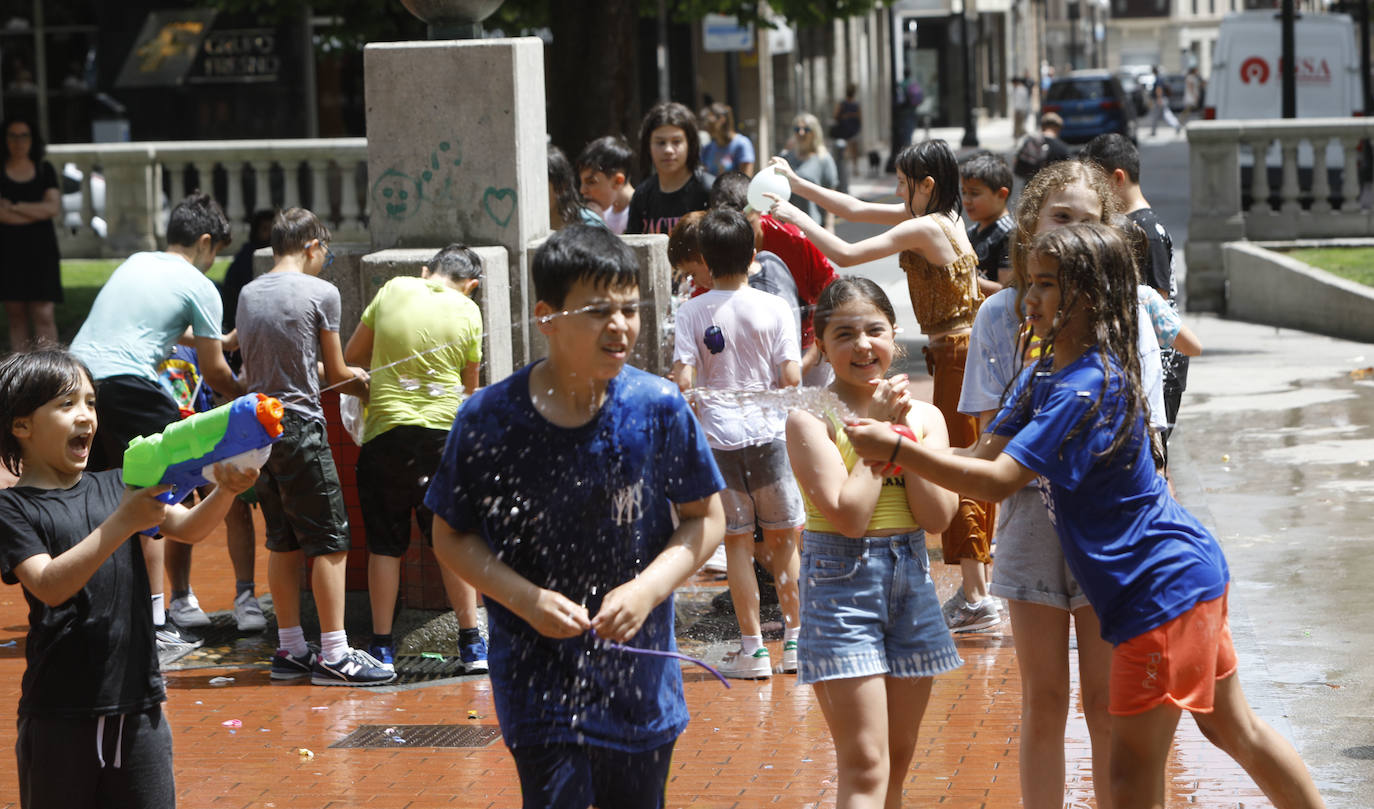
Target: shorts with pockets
759,487
1178,662
394,469
1030,562
869,607
299,492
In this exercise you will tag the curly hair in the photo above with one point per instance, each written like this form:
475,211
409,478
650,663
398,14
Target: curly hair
1055,176
1097,281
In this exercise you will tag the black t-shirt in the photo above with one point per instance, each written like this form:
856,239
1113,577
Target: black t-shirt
653,211
1055,150
992,245
1157,265
94,654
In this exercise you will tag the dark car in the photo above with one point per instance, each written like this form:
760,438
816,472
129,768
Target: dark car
1176,85
1092,103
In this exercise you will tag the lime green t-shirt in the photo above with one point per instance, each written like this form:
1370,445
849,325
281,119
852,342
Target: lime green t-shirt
410,316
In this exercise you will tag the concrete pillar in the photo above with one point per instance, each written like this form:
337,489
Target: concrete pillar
456,151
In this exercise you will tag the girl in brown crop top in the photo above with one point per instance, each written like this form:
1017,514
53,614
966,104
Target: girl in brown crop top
942,277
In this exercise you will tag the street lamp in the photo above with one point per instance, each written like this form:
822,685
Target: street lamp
970,122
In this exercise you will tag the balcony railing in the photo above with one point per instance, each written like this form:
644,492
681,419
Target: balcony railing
140,181
1270,180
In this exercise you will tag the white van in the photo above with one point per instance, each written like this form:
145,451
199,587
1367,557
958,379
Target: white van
1246,82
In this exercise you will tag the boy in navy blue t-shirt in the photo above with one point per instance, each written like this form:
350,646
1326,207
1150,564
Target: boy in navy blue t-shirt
554,498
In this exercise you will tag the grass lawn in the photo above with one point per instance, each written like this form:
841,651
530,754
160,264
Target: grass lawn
1353,263
81,280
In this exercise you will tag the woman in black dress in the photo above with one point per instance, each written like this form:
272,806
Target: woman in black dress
30,280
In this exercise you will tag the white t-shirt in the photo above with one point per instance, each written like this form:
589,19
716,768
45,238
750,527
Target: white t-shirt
992,362
737,340
616,220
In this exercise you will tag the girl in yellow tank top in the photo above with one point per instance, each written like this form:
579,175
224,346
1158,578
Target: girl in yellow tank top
872,636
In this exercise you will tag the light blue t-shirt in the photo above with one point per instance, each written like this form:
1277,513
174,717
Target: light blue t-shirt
992,362
1139,556
142,310
718,159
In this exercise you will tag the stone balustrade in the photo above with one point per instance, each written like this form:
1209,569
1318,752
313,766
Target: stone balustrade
1267,180
141,181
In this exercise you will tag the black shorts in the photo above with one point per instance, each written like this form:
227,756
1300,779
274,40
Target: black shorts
298,489
127,406
571,776
129,766
393,474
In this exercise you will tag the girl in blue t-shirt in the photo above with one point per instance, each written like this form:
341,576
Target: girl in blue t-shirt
872,638
1075,422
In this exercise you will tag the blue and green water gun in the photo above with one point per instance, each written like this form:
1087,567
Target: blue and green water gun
240,432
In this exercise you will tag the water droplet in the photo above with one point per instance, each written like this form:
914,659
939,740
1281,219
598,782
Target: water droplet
407,383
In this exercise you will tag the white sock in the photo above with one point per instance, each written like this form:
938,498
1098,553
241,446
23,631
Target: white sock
333,645
292,639
159,611
791,633
750,643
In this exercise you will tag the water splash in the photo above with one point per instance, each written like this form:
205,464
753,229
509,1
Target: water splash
821,402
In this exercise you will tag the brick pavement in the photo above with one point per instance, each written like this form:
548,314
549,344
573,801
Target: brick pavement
757,744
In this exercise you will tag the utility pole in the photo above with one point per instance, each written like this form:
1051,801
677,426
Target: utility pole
1288,61
661,51
1364,57
970,76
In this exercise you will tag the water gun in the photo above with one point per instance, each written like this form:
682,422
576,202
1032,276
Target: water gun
241,433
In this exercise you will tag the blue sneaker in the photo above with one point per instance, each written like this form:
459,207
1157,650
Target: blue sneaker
286,666
474,656
383,655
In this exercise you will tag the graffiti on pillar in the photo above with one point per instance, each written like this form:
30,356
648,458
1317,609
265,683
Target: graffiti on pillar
499,203
396,195
401,192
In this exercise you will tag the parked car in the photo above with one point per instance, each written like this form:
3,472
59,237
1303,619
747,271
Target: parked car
1092,103
71,200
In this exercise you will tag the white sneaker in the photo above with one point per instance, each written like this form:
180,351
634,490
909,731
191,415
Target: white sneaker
248,612
741,666
716,564
789,657
187,612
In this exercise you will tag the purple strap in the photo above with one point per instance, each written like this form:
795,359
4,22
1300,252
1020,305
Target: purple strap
620,647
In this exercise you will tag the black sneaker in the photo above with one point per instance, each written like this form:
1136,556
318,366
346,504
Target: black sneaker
286,666
355,668
171,636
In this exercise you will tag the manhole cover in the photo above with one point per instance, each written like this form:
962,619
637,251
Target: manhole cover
421,736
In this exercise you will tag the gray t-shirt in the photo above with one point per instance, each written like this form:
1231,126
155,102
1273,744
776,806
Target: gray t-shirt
279,319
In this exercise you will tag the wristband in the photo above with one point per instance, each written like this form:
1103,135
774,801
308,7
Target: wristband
895,447
902,431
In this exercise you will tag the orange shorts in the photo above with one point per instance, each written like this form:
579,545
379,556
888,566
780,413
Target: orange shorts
1178,662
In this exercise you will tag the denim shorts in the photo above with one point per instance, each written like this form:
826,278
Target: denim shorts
1030,562
759,487
868,606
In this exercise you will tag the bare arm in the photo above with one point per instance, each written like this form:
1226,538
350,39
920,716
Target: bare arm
359,349
550,613
789,374
932,506
47,208
337,371
839,203
1187,342
701,527
53,580
988,287
470,377
902,236
978,477
217,373
811,357
191,525
684,375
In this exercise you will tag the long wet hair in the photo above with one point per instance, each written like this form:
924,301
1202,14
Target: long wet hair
1097,281
931,158
1057,175
563,186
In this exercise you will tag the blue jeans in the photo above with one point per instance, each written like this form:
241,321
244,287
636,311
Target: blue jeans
868,606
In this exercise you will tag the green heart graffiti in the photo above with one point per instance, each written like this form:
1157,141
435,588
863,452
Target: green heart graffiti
499,203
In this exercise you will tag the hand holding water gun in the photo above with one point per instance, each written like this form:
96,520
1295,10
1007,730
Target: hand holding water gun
184,455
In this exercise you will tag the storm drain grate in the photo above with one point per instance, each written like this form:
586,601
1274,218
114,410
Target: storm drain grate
374,736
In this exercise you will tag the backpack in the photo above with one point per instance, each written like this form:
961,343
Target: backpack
1030,156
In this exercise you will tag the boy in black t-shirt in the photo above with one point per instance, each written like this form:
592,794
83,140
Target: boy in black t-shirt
92,671
1120,161
985,183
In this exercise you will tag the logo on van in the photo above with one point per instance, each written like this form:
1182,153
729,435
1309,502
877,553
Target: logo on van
1256,69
